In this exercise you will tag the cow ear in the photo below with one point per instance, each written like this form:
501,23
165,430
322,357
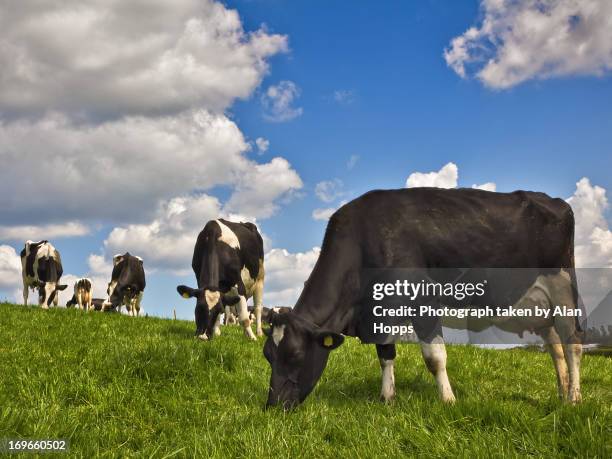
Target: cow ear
62,287
187,292
329,340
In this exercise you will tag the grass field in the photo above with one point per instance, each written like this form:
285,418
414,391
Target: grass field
118,387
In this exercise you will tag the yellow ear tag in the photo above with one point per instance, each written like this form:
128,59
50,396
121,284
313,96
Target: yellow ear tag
186,295
328,341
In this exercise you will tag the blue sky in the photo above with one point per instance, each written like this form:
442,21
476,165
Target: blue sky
368,82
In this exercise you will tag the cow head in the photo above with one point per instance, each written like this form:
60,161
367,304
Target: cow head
47,292
208,307
297,351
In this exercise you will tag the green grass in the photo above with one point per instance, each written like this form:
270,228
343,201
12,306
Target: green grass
120,387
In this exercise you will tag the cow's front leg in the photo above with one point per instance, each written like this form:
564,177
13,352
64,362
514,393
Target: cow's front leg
258,303
201,320
243,315
555,349
386,357
25,293
434,354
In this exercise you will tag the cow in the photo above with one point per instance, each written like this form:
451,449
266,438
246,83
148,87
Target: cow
425,228
82,295
41,268
127,284
228,262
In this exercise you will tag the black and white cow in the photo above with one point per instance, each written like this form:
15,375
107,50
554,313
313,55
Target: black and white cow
228,262
82,295
41,268
127,284
426,228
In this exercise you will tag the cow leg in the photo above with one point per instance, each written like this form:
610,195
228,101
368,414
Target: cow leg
434,354
137,299
243,312
25,293
555,349
386,356
258,303
217,326
201,320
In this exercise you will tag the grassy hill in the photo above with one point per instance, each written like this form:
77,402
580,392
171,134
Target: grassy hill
118,386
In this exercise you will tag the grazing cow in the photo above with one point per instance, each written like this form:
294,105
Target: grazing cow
41,268
426,228
228,264
82,295
98,304
127,284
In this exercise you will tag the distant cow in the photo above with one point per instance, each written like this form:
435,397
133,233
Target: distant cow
127,284
41,268
428,228
82,295
228,262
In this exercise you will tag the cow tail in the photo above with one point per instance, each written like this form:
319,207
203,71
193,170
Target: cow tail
572,272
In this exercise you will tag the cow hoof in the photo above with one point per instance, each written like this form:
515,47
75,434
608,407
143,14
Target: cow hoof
259,333
203,337
217,332
390,398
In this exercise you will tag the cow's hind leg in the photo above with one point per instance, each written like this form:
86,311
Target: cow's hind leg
569,334
243,312
555,349
386,357
25,293
258,303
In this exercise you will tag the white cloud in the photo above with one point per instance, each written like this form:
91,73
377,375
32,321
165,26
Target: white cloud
102,59
352,161
10,268
329,190
167,241
593,238
323,214
37,233
69,170
262,145
489,186
344,96
261,186
286,273
278,102
446,177
520,40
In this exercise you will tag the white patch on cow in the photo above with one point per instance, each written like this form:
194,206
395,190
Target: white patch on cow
117,258
111,289
139,259
212,298
203,337
248,281
228,236
387,392
278,333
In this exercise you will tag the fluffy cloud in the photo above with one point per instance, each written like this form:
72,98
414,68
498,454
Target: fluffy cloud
278,102
262,145
108,59
344,96
352,161
593,237
167,241
37,233
10,268
69,169
444,178
329,190
285,275
520,40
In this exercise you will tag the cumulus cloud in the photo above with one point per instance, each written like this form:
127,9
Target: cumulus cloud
446,177
593,238
262,145
278,102
261,186
323,214
286,273
329,190
68,169
37,233
10,268
519,40
143,58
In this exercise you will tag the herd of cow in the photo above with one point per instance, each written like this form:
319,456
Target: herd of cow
407,228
